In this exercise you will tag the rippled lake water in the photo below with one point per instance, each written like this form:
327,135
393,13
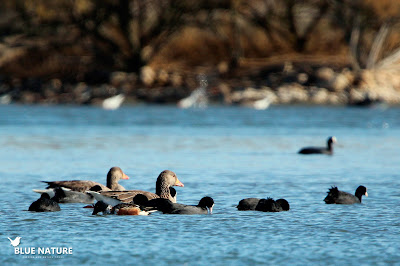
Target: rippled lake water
228,153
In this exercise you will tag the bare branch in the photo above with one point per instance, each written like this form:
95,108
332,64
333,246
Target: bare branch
391,60
354,39
377,46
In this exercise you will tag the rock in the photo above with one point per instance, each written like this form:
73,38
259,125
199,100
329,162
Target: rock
338,98
376,85
163,77
356,95
223,67
176,80
292,93
319,96
325,74
5,99
288,67
81,92
340,83
225,90
270,94
334,98
302,78
246,94
118,78
147,75
28,97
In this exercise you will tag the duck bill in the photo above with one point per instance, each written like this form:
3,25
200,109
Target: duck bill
366,194
210,210
178,183
124,176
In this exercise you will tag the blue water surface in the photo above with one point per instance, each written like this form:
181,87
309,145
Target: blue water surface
228,153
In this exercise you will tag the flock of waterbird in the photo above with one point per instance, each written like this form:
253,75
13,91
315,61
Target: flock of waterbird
115,199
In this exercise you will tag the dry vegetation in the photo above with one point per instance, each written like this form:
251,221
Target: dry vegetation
166,43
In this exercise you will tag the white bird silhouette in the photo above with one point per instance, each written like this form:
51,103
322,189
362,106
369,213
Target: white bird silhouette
262,104
15,242
198,97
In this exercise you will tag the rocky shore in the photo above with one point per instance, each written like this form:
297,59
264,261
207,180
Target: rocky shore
278,83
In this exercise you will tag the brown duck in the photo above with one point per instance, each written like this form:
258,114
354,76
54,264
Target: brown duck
74,191
164,182
113,176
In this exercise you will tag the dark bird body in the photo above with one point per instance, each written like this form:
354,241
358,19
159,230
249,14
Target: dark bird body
44,204
266,205
74,191
166,206
335,196
320,150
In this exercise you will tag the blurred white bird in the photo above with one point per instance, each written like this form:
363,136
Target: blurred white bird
113,102
262,104
198,98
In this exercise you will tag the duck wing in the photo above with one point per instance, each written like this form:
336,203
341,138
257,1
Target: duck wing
128,195
75,185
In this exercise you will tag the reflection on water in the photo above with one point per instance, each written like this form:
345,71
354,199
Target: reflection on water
223,152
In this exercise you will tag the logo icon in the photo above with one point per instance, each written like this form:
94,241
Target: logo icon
15,242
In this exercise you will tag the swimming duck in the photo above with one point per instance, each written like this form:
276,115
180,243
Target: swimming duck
66,195
166,206
113,176
120,209
335,196
74,191
165,181
44,204
320,150
205,206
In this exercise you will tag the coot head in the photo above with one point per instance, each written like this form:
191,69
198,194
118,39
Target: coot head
207,202
96,188
45,196
266,205
332,140
284,204
101,206
140,199
361,191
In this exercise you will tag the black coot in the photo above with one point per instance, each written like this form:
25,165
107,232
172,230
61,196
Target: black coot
166,206
320,150
266,205
335,196
248,204
44,204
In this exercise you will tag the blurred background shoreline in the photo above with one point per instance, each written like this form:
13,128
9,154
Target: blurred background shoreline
252,53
